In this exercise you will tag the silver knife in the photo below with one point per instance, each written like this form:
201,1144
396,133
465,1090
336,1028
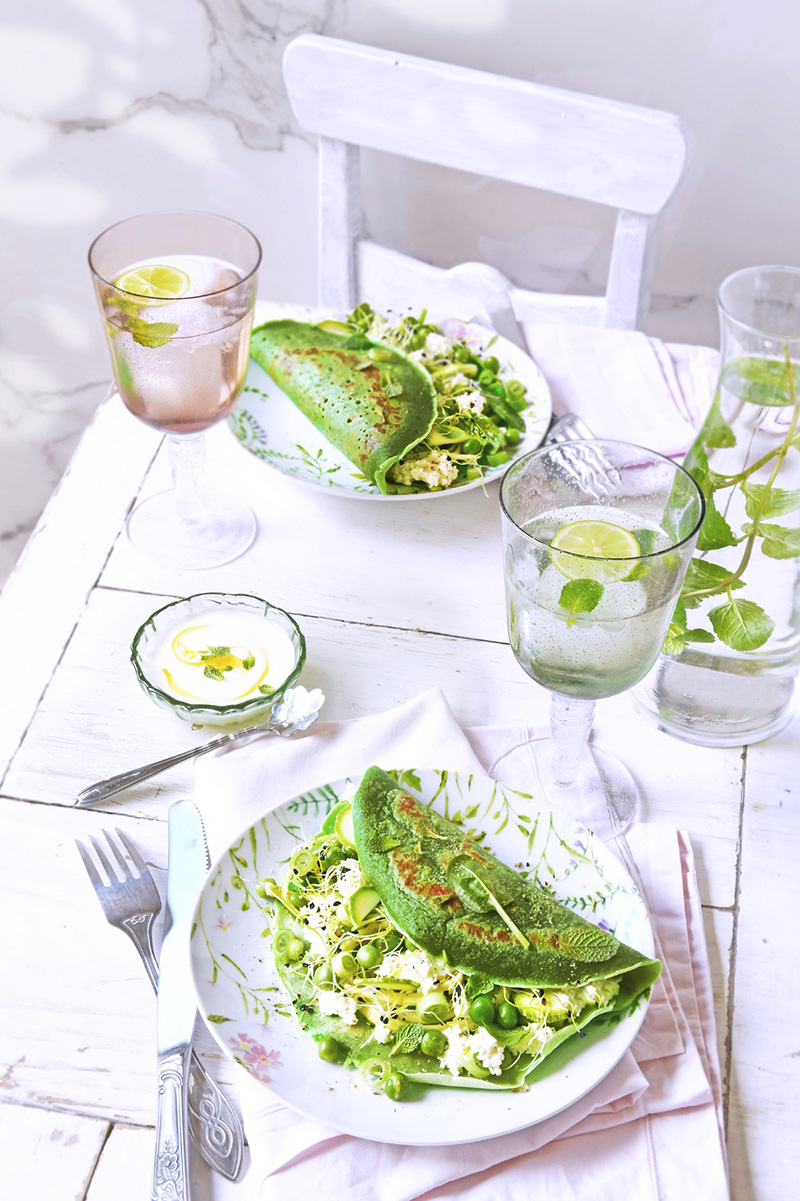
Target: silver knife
176,1003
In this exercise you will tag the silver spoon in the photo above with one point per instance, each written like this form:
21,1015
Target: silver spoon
294,712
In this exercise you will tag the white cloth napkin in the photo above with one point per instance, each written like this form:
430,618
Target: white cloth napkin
625,384
652,1127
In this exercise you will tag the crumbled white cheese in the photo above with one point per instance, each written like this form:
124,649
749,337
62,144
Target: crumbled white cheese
411,965
348,878
472,400
382,1032
438,347
457,1050
318,911
436,469
337,1004
486,1050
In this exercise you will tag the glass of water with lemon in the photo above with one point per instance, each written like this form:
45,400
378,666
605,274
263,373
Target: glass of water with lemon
597,539
176,292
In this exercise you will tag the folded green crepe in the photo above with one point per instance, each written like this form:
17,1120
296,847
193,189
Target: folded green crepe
371,401
495,937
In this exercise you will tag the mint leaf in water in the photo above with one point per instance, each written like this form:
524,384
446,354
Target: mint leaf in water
580,596
741,625
151,333
776,501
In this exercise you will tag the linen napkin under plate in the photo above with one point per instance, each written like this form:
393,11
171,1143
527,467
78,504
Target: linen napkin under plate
625,384
652,1126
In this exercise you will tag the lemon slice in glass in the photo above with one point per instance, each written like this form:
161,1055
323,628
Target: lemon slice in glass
601,545
156,281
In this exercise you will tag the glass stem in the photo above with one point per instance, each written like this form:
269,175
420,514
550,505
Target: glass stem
570,723
186,459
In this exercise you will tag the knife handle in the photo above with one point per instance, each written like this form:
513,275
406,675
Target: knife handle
171,1165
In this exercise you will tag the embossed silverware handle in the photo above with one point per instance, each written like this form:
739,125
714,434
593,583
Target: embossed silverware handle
171,1164
213,1123
108,788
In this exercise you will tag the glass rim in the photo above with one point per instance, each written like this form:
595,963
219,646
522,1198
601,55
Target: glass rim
177,213
550,446
748,325
199,707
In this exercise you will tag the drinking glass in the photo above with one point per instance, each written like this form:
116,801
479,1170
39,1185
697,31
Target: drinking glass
176,291
597,537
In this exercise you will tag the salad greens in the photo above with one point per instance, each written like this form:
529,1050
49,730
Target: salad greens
479,409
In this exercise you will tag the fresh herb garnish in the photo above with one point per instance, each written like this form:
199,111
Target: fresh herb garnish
213,673
580,596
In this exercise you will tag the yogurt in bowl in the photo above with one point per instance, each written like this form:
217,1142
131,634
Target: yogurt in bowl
218,658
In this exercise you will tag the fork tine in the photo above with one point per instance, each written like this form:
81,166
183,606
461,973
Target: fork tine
141,866
112,876
127,874
88,863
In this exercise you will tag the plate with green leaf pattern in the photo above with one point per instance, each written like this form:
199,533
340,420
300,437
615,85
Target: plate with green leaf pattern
241,999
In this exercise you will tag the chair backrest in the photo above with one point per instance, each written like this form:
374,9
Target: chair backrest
615,154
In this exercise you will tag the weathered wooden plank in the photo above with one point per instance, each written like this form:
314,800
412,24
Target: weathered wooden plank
48,588
48,1156
765,1088
124,1171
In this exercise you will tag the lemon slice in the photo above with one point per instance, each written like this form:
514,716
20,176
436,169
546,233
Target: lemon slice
157,281
601,545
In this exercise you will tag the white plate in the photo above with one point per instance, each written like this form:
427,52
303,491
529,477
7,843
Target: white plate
239,993
271,427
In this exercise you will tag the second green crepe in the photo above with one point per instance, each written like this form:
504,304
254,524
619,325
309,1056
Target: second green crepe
370,401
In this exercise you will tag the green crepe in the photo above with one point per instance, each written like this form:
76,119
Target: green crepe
371,401
460,904
452,898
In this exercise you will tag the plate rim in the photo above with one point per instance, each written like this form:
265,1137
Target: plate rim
631,1023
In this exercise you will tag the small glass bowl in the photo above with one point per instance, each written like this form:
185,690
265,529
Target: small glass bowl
203,713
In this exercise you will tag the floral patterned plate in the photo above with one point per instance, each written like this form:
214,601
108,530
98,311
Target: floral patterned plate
241,1000
272,428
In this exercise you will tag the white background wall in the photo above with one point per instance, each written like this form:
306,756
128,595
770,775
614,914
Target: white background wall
112,107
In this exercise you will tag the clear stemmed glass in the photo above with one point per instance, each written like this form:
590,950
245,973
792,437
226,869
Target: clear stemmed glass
176,291
597,539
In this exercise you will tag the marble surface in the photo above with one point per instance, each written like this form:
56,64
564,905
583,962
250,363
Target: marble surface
112,107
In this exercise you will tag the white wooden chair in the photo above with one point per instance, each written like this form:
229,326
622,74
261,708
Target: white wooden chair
615,154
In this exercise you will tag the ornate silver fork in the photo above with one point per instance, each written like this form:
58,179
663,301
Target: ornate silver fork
131,904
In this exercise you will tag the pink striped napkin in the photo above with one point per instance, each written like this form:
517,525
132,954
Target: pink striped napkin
625,384
652,1127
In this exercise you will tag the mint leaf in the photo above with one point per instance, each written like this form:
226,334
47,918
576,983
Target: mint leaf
779,542
213,673
408,1038
741,625
715,533
777,502
248,662
478,984
703,574
265,688
580,596
151,333
761,381
716,432
212,651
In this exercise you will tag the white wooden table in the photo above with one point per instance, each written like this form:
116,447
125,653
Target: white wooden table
393,598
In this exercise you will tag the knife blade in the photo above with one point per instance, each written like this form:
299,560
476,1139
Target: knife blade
176,1004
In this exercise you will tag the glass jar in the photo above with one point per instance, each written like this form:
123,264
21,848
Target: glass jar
728,673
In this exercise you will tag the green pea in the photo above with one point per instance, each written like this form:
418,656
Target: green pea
396,1087
296,949
417,342
507,1015
482,1010
472,446
392,940
491,364
462,354
513,436
323,975
433,1043
368,956
330,1049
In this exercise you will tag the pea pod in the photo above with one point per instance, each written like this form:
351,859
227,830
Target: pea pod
506,412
